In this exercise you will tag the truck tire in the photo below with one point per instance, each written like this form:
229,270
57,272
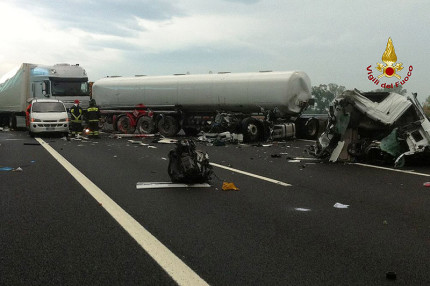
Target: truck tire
251,130
145,125
308,128
312,127
168,126
124,125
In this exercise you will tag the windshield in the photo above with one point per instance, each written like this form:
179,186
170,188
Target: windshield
48,107
69,88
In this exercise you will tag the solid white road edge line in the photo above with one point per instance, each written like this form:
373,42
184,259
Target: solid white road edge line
252,175
175,267
391,169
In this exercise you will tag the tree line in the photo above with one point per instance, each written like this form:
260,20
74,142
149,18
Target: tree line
325,93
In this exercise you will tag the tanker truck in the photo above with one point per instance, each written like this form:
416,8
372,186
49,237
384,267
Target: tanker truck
64,82
253,104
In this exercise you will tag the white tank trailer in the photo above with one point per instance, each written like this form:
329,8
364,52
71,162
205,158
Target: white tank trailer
247,103
64,82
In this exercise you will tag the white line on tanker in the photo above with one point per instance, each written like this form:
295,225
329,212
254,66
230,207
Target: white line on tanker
175,267
252,175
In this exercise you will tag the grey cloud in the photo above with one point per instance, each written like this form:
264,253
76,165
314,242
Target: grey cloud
249,2
109,17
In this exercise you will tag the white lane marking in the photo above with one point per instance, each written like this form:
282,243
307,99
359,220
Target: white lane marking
252,175
391,169
176,268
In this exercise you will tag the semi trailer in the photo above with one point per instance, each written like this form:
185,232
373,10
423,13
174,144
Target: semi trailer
64,82
253,104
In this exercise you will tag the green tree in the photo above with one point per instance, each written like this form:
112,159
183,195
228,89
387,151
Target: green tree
426,106
399,90
324,95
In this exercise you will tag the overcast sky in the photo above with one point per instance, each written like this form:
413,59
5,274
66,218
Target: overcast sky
332,41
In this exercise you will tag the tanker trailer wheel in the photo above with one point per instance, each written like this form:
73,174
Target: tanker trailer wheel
124,125
168,126
307,128
312,126
145,125
251,130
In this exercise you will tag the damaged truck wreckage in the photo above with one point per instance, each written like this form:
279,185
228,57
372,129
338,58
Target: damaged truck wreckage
258,105
374,127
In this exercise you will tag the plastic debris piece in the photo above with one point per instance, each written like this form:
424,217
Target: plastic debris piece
302,209
426,184
226,186
167,141
340,206
162,158
152,147
163,185
19,169
6,169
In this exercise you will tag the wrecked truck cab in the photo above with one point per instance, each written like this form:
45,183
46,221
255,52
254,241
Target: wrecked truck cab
374,127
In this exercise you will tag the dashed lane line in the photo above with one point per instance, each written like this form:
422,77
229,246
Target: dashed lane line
252,175
175,267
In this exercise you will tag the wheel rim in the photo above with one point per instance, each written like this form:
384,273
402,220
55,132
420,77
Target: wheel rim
252,129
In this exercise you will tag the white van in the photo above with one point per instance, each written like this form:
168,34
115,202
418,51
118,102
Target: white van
47,115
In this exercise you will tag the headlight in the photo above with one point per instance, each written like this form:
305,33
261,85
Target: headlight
64,119
35,120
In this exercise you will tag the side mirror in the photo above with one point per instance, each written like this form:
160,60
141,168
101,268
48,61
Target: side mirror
46,88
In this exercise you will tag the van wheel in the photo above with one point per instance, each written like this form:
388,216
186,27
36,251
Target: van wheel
168,126
251,130
145,125
124,125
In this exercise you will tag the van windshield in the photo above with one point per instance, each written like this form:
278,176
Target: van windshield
48,107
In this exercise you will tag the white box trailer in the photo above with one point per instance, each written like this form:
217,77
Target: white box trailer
64,82
186,101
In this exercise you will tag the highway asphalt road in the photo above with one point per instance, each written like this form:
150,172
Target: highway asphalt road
88,224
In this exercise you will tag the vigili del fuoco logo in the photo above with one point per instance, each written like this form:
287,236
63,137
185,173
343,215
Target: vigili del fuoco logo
389,68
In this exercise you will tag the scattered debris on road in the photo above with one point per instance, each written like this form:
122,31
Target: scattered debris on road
340,206
229,186
164,185
6,169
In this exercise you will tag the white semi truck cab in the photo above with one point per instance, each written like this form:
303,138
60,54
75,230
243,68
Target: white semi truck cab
64,82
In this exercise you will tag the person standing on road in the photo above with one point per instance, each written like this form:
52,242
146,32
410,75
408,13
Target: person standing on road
76,123
93,117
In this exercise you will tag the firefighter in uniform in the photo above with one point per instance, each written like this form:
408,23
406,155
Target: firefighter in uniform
93,117
76,123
